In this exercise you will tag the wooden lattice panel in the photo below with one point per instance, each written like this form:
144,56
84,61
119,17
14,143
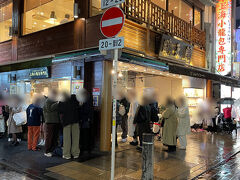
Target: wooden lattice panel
135,36
198,58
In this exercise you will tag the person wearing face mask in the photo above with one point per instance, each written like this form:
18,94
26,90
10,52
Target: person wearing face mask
86,120
52,120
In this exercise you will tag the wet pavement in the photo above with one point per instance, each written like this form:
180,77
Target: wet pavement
7,174
203,152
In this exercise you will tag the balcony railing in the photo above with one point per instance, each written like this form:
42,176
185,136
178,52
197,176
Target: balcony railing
158,19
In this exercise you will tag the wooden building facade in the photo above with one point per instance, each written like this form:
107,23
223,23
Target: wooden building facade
145,25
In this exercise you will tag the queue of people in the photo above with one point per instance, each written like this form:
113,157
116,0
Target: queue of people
60,122
173,118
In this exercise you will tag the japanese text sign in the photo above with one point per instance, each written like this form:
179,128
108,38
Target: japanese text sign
223,36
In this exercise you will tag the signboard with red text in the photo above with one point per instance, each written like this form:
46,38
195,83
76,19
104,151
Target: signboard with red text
223,36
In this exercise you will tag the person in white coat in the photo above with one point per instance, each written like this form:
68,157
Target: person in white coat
183,123
132,98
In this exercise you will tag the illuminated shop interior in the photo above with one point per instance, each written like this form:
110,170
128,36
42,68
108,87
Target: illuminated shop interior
43,14
6,21
165,84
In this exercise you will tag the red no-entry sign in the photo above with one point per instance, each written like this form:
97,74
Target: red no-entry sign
112,22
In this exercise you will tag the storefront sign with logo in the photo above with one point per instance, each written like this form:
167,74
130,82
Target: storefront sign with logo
96,92
39,73
167,46
223,36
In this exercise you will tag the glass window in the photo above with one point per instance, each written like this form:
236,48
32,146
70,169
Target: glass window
197,18
186,12
181,9
5,21
95,7
43,14
160,3
174,5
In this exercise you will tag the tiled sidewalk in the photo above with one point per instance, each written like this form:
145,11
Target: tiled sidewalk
203,151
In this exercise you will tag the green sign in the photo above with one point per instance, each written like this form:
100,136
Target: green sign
39,73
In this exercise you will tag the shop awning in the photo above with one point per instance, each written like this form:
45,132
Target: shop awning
44,62
126,57
198,73
75,55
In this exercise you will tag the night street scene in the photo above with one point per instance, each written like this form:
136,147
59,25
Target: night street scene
119,89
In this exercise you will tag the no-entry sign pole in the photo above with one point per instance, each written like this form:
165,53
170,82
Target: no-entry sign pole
114,86
111,24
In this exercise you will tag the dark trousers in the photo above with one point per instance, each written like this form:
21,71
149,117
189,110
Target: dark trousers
142,128
141,138
214,129
124,126
171,148
85,140
52,132
135,135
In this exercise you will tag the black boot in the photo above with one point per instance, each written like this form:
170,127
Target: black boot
134,143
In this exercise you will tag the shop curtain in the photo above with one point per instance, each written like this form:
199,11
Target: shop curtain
31,4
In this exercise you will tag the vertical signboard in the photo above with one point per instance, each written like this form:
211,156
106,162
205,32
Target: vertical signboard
223,36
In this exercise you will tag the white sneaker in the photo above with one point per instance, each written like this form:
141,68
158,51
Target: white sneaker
19,140
43,143
10,139
48,154
66,157
124,140
76,157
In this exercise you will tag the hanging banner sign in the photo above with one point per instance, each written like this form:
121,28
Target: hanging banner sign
223,36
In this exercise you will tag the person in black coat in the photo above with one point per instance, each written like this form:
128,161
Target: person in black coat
86,121
69,111
142,120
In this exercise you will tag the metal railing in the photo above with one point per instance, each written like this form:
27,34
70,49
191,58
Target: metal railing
146,12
